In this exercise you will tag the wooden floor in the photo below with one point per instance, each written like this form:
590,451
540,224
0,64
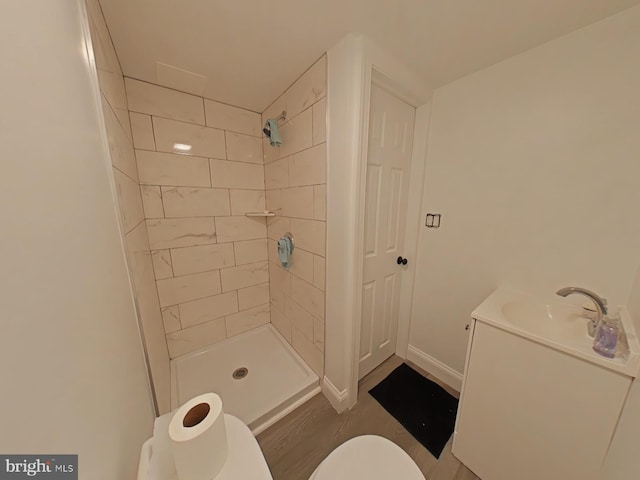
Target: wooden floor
296,445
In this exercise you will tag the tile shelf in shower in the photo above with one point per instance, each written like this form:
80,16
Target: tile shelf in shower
260,214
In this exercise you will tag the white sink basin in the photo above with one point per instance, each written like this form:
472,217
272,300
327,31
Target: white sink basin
556,324
556,321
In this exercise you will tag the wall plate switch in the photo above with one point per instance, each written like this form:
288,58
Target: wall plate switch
432,220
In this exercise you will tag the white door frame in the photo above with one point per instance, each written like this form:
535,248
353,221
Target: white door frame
353,64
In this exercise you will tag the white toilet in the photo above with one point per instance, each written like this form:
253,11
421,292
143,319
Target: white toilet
368,457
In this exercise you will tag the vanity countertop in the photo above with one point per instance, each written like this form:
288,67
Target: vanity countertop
554,323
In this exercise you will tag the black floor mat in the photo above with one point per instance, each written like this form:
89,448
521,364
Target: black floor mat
424,408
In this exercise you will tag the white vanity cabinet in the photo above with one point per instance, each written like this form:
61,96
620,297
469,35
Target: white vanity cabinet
529,411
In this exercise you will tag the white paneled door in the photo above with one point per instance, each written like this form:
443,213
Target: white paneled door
388,165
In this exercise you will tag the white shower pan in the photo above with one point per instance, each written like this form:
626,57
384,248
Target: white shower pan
277,379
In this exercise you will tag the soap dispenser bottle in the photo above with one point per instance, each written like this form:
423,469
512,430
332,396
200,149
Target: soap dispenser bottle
605,341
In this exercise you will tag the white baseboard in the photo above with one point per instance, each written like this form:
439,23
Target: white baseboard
338,399
435,367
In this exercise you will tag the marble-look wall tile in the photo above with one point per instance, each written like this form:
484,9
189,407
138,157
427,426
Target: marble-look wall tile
270,153
208,308
308,167
277,226
302,264
140,265
142,131
272,251
162,265
129,200
195,206
295,180
300,318
319,272
194,338
152,201
109,74
163,102
311,355
309,235
320,202
276,174
104,53
275,109
202,258
171,319
173,291
157,168
248,319
279,279
245,201
308,89
233,229
274,201
307,296
112,87
238,175
120,147
244,276
152,324
297,134
304,167
252,296
320,122
149,308
318,333
282,323
250,251
298,202
227,117
276,296
181,232
204,141
244,148
195,202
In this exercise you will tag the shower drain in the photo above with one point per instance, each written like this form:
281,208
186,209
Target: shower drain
239,373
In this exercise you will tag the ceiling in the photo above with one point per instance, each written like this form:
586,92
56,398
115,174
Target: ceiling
247,52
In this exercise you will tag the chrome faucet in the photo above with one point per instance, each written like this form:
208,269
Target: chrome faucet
599,302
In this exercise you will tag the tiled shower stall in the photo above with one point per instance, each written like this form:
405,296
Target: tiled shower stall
187,169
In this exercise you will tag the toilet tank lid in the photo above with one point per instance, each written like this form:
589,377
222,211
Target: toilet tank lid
368,457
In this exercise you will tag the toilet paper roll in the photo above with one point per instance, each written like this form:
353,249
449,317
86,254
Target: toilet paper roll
199,438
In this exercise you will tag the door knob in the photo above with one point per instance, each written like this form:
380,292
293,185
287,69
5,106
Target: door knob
401,261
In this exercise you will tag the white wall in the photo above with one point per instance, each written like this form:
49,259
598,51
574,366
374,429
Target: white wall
71,362
533,164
